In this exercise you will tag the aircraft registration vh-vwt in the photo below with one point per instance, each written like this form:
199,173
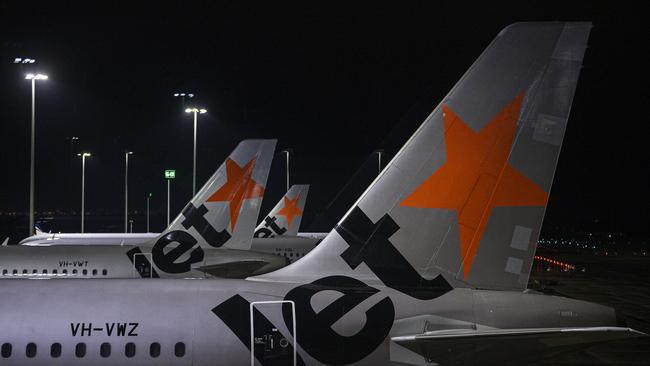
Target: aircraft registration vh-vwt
429,266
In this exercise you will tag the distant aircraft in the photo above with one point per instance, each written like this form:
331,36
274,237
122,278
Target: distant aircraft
285,218
283,221
429,266
212,235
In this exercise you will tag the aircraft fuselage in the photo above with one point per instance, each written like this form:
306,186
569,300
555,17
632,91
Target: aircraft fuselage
207,322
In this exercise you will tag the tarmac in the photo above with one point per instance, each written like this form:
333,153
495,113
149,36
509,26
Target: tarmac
621,282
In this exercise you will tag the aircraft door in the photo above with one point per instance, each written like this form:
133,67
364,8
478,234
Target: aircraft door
271,345
142,265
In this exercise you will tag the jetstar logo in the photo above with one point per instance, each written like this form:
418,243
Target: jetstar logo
314,327
477,177
238,187
369,243
290,209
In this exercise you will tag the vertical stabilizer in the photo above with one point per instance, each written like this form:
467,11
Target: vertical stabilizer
463,201
284,219
224,212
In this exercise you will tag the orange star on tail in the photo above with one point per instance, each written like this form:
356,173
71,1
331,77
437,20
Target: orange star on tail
477,177
238,187
290,209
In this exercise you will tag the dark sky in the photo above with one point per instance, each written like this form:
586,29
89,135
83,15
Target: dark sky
332,80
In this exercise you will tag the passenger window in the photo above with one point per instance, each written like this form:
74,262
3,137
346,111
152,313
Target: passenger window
4,272
45,271
15,271
6,350
80,350
35,271
54,271
179,349
55,350
85,272
104,272
94,272
105,350
65,271
154,349
24,271
129,349
30,350
74,271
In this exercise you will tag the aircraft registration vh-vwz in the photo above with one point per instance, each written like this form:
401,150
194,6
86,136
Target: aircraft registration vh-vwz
429,266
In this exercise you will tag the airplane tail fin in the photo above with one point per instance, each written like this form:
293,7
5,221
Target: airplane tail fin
284,219
462,203
37,230
224,211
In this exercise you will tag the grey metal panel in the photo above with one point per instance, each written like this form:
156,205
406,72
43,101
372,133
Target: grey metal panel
491,262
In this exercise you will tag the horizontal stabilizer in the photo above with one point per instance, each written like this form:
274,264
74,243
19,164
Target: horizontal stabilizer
507,346
236,269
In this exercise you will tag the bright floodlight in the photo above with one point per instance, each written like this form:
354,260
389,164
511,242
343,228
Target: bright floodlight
20,60
84,154
196,110
130,152
184,94
36,77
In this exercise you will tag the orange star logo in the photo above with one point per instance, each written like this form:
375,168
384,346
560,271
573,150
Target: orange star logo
238,187
290,209
477,177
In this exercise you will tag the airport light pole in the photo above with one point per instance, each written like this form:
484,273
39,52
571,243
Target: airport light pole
195,111
287,152
83,186
126,188
148,197
183,95
169,175
379,153
33,78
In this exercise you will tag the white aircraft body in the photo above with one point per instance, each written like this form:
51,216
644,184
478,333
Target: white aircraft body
283,220
429,266
212,236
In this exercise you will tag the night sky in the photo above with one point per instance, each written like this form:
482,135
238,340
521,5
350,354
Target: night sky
334,81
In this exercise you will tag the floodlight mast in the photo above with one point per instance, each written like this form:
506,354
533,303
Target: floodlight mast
83,186
195,111
33,78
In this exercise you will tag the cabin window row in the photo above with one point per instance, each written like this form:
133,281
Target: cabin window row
80,350
54,272
285,254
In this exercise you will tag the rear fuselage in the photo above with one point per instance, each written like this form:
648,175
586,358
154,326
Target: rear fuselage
207,322
126,261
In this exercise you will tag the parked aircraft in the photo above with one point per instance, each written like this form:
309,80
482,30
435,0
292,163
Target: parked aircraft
212,235
429,266
283,220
